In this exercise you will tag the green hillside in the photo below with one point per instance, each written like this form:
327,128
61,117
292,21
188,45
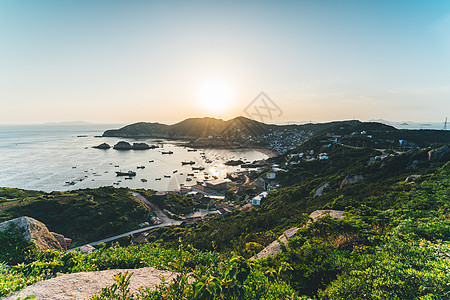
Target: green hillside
82,215
250,132
392,243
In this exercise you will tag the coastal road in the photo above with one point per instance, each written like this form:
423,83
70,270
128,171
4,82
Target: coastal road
166,221
159,213
320,189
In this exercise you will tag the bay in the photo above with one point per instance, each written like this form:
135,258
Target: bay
45,157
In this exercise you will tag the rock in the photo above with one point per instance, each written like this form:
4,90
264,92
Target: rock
61,240
411,178
438,153
234,163
34,231
338,214
275,247
351,179
140,146
83,285
123,146
102,146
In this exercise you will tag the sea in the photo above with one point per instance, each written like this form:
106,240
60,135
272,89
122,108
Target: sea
61,158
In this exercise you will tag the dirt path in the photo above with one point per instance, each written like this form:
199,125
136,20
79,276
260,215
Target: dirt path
85,284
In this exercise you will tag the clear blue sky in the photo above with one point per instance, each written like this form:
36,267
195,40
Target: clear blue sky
127,61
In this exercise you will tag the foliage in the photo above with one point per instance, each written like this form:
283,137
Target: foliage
74,214
400,268
392,243
235,278
173,202
15,248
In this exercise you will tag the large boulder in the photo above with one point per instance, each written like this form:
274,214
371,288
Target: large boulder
34,231
351,179
140,146
123,146
61,240
317,214
102,146
438,153
275,247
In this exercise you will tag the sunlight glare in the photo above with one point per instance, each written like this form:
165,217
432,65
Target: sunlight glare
215,96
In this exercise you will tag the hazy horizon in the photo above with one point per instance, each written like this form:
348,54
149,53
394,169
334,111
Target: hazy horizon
116,62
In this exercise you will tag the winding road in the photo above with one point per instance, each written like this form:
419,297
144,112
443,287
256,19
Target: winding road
166,221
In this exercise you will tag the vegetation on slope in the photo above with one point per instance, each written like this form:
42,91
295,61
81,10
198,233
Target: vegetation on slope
393,242
83,215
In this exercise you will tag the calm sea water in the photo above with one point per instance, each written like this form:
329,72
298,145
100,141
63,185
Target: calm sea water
46,157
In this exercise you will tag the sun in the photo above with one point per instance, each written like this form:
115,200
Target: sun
215,96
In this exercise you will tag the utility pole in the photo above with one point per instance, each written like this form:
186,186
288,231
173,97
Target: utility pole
445,124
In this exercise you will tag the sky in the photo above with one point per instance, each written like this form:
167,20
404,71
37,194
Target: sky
164,61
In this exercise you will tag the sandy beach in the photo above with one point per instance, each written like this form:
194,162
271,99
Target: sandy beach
264,151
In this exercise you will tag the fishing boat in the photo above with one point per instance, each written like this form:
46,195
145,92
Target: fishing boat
167,152
158,178
197,168
140,167
166,176
129,173
187,163
144,180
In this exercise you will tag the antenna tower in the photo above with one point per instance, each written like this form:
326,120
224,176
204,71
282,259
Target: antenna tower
445,124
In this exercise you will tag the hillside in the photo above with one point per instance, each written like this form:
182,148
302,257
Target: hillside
249,132
83,215
392,242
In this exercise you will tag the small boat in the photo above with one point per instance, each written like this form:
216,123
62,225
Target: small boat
128,178
129,174
197,168
166,176
150,161
167,152
140,167
116,166
208,161
175,171
188,179
144,180
157,178
74,167
181,173
190,174
187,163
192,150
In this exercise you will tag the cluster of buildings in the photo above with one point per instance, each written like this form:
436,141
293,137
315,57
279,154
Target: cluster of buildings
281,140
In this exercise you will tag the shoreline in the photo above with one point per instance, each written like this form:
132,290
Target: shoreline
265,151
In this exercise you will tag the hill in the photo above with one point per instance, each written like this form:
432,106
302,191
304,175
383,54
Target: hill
83,215
247,132
391,243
